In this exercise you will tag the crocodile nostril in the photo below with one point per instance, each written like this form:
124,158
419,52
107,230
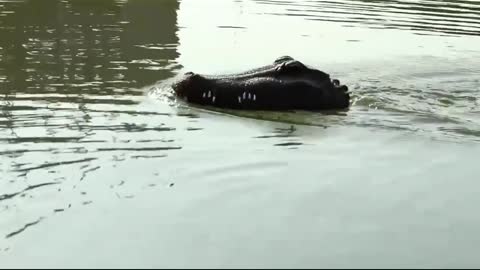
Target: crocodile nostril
336,82
189,73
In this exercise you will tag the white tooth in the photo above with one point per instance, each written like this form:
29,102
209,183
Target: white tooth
244,95
203,95
209,94
254,97
249,96
239,99
213,99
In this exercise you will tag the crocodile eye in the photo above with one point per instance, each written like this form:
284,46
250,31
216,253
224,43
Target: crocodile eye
282,59
290,67
295,64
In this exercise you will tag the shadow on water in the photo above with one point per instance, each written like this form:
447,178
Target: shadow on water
306,118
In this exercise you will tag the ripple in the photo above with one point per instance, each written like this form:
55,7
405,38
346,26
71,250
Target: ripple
41,139
26,226
147,156
129,127
140,148
158,46
288,144
84,173
231,27
54,164
12,195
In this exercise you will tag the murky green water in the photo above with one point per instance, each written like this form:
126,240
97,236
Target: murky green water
99,167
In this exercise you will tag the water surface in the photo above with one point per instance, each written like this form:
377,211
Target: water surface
97,160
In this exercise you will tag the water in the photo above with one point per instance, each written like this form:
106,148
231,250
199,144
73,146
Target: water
100,167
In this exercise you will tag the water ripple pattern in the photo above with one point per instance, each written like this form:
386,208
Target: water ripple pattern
86,117
427,85
73,78
424,17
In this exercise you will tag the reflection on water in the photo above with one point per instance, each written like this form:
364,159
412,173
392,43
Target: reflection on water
71,76
83,115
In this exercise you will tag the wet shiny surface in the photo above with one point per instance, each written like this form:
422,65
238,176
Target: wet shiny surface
89,134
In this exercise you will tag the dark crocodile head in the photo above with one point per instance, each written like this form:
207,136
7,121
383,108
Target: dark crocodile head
286,84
